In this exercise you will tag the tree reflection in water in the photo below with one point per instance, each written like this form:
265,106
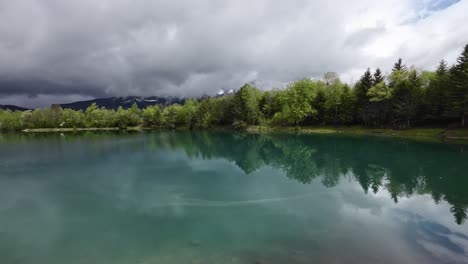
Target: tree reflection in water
403,168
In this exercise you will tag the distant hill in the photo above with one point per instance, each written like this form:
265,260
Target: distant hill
125,102
13,108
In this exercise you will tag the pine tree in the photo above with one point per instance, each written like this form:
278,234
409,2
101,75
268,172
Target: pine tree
319,105
437,92
347,106
399,66
406,96
378,77
362,99
442,68
458,95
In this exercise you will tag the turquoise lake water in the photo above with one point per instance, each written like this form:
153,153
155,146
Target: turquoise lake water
222,197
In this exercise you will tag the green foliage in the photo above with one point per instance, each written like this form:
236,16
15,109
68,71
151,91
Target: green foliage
296,102
10,120
399,66
407,94
362,98
246,105
171,116
347,106
269,103
186,115
334,103
305,160
380,96
333,100
377,77
436,95
319,105
458,93
330,78
152,116
122,118
73,119
379,92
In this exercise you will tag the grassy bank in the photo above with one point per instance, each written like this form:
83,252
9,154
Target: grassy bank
47,130
413,133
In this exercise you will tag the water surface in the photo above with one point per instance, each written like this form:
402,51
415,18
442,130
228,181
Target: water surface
198,197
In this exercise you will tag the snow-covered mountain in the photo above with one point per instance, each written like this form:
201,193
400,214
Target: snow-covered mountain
143,102
125,102
222,92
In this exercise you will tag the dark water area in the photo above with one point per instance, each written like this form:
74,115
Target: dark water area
222,197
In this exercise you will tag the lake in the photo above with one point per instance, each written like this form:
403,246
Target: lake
222,197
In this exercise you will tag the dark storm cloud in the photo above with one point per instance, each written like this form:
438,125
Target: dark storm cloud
33,88
94,48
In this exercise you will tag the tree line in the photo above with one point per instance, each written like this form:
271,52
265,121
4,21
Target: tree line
404,98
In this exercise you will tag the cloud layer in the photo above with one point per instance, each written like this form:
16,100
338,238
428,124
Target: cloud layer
95,48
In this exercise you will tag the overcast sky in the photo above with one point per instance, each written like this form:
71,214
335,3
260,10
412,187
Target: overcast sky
67,50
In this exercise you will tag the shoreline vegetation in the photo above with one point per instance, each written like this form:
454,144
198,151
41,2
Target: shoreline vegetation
407,102
412,133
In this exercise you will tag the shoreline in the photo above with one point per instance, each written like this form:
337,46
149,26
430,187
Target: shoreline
51,130
425,133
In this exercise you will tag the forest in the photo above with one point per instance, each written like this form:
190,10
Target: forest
405,98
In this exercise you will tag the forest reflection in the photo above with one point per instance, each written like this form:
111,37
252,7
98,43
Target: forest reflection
403,168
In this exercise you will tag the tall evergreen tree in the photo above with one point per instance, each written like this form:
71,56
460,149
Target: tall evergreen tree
362,99
399,66
442,68
380,101
319,105
437,93
458,95
378,77
347,106
406,97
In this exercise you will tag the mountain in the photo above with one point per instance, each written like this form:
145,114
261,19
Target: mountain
142,102
13,108
125,102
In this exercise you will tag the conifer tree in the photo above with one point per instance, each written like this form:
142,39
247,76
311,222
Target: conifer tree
378,77
437,92
458,95
362,99
399,66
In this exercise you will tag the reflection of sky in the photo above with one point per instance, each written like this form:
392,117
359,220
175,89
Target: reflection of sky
415,223
423,225
147,195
